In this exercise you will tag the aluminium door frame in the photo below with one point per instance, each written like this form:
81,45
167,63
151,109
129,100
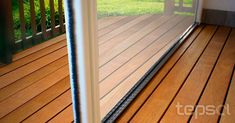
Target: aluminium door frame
80,16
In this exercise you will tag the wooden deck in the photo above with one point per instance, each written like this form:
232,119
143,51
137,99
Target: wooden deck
35,87
200,73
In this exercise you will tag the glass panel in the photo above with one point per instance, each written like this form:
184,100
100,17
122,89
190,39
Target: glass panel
132,36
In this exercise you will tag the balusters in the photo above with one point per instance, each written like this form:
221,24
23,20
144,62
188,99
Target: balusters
33,21
61,16
43,18
22,23
52,12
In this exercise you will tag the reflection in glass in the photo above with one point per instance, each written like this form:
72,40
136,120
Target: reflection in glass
132,36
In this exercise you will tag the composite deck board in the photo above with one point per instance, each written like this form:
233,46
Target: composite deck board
136,48
110,50
51,109
139,59
32,78
159,99
122,36
65,116
36,85
31,91
104,22
104,38
38,102
205,77
229,112
31,67
144,62
143,96
116,25
218,84
200,74
38,47
32,57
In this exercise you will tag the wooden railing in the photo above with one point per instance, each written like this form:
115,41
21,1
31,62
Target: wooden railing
172,6
47,27
6,31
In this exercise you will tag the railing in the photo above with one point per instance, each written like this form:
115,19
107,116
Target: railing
172,6
43,22
6,31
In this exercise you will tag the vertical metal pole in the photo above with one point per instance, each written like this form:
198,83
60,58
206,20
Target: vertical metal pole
80,16
6,31
199,10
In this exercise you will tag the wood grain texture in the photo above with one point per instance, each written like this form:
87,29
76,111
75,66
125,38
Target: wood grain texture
32,78
143,96
66,116
165,92
208,81
29,68
115,25
36,103
36,85
104,22
38,47
31,58
229,112
136,48
146,58
51,109
30,92
216,89
111,50
197,78
104,38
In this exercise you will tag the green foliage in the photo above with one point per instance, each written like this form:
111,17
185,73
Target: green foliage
38,16
128,7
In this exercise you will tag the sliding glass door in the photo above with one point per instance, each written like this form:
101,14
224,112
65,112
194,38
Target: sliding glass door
132,36
114,45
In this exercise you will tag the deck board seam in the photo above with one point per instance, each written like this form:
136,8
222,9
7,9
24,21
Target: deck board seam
191,71
32,61
99,28
43,105
126,30
181,85
35,81
132,19
204,88
140,51
39,50
58,113
137,68
133,71
165,75
137,42
34,97
30,73
194,62
226,96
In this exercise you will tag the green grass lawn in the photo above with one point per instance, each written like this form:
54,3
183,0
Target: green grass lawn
132,7
128,7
